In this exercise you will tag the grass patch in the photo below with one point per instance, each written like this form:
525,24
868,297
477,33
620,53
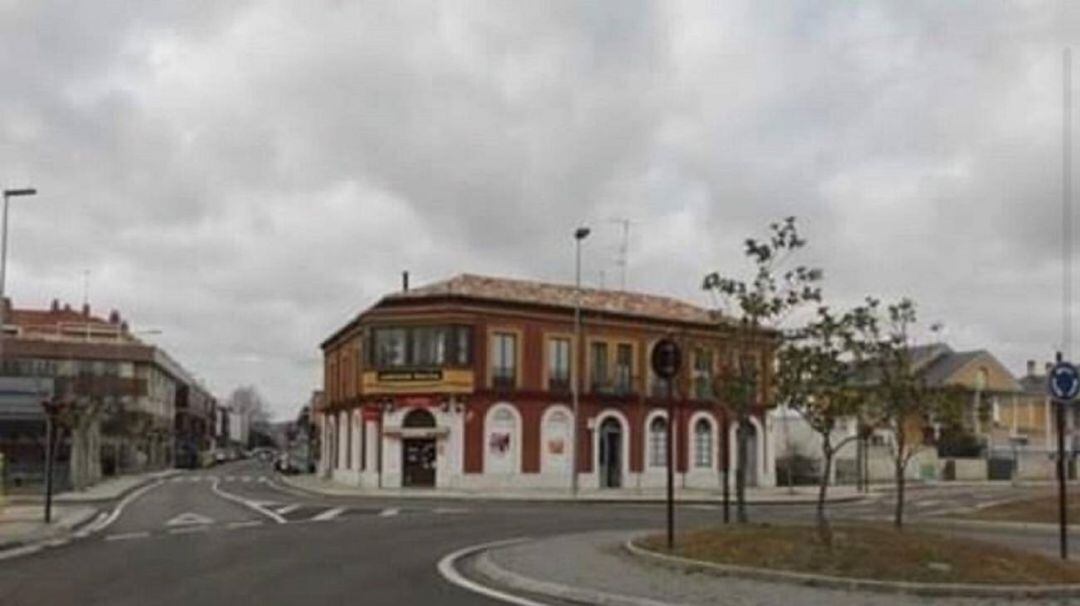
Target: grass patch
870,552
1042,509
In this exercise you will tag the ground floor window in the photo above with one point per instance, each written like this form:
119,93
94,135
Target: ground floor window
703,444
658,442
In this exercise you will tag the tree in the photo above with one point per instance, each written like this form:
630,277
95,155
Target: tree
814,377
764,303
900,400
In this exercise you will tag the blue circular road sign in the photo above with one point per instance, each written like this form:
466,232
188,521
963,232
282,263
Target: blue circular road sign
1064,382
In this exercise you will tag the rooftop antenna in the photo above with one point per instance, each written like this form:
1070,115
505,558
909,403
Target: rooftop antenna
622,260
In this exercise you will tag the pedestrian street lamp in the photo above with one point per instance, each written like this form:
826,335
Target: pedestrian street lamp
8,194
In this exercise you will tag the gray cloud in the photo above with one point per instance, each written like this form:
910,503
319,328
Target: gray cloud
246,176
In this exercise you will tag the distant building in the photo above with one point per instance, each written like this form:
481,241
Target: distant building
122,393
466,383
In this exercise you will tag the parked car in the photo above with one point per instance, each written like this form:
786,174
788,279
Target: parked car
220,456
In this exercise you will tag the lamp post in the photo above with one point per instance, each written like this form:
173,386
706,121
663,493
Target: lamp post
579,234
8,193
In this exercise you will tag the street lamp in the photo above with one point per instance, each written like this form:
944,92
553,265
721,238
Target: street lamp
8,193
579,234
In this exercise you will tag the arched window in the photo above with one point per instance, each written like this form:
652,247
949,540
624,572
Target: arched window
658,442
703,444
418,418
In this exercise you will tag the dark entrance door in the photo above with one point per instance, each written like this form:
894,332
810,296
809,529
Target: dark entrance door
418,462
610,454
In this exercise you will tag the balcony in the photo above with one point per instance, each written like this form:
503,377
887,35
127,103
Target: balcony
503,379
559,384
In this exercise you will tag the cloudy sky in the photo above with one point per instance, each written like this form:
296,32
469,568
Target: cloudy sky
246,176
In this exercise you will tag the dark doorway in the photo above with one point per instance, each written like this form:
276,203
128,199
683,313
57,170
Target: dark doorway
610,454
418,454
418,462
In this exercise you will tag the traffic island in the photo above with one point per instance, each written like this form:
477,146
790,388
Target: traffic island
866,557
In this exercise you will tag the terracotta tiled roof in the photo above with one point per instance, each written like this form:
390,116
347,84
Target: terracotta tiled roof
561,295
45,317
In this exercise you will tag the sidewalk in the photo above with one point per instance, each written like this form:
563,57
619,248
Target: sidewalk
592,568
24,524
106,490
773,496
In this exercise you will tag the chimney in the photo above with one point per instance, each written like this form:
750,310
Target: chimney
67,307
55,306
405,281
124,326
1031,368
114,317
86,310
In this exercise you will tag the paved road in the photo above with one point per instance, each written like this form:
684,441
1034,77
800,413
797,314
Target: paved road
231,535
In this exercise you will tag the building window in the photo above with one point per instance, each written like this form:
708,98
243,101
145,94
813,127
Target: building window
559,364
419,346
703,444
703,374
658,442
390,345
504,360
624,368
600,382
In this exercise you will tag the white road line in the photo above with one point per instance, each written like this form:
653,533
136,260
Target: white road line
245,479
20,551
287,509
329,514
188,529
449,572
389,512
123,536
215,486
441,510
115,513
178,479
247,524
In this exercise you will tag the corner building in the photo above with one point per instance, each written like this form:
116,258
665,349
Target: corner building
466,384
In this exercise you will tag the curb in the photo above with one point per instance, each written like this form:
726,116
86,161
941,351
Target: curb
130,489
990,525
546,498
16,548
489,569
851,584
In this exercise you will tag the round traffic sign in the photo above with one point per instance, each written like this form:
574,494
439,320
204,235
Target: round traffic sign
666,358
1064,382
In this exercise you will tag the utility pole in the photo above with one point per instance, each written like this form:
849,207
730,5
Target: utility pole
576,360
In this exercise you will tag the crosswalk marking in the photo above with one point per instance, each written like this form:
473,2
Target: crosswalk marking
329,514
188,529
189,519
127,535
287,509
389,512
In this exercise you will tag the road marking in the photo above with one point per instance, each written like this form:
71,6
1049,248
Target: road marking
287,509
178,479
441,510
124,503
216,487
188,529
929,503
245,479
389,512
124,536
245,524
449,572
188,519
329,514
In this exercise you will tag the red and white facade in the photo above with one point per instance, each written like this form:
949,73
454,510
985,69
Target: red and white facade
465,384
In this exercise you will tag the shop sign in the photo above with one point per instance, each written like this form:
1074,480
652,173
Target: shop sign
404,376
